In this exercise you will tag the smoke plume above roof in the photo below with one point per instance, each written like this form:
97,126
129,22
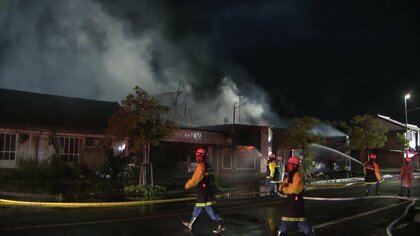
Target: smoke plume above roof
102,49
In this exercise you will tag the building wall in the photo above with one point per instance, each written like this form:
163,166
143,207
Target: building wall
45,147
266,145
38,145
172,157
92,158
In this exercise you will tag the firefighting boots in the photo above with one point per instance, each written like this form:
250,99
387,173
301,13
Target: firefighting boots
189,224
401,192
221,227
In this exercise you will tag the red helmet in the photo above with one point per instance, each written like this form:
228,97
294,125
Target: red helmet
372,156
294,160
200,154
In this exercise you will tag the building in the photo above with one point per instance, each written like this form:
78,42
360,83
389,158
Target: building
37,126
234,150
391,155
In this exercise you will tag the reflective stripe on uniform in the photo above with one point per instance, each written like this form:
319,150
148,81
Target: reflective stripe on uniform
293,218
202,204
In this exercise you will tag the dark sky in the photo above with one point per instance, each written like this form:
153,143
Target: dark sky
327,59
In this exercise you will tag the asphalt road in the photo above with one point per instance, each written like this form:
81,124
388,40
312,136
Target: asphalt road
331,211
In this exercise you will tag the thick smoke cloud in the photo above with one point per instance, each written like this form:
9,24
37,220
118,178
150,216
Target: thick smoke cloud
102,49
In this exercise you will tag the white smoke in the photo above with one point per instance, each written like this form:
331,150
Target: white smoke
84,52
220,109
77,49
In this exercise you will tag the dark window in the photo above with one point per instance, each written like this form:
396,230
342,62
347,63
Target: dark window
7,146
68,148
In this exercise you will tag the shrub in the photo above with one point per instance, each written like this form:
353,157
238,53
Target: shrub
52,169
144,190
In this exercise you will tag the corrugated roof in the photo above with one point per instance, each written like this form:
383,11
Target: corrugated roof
27,109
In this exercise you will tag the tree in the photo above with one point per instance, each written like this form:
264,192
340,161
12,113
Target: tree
365,133
402,141
139,119
299,135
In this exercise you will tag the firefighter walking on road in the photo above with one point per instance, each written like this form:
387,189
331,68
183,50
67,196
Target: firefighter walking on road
203,177
294,207
372,175
406,176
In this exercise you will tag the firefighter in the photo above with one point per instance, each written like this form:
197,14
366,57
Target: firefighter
294,207
270,175
204,178
406,175
372,175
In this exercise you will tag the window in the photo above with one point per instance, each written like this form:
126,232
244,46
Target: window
68,148
7,146
91,142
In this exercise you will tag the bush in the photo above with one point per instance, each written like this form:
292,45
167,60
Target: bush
144,190
52,169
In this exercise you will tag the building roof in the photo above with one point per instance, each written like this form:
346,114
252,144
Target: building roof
228,128
393,125
20,109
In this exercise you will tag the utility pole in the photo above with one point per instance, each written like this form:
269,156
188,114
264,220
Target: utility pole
235,105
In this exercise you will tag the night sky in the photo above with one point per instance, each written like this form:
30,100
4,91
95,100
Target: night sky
282,59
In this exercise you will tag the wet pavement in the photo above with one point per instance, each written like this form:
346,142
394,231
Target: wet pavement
245,212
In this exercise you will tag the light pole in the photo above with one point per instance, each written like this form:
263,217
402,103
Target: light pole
407,96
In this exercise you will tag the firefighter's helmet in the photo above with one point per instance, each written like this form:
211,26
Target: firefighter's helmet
200,154
372,156
294,160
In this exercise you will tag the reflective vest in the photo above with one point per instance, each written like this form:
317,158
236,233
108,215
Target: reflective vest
272,172
372,172
203,177
294,207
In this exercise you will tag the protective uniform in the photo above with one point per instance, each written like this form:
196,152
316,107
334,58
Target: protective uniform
274,173
406,176
203,177
294,207
372,175
271,175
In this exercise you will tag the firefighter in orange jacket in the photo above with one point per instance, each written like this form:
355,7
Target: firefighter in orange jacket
204,178
372,176
294,208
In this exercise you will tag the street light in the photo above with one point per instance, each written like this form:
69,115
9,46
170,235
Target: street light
407,96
